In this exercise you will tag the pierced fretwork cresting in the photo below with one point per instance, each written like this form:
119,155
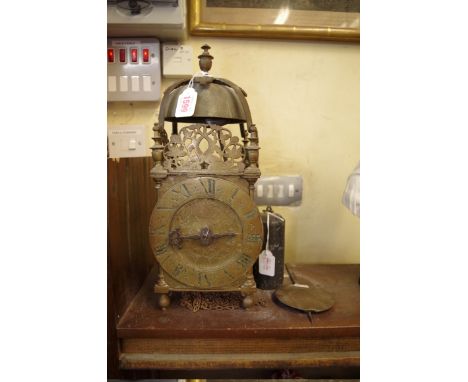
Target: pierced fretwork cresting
199,148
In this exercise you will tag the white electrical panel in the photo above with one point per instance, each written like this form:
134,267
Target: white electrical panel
177,60
164,19
133,69
128,141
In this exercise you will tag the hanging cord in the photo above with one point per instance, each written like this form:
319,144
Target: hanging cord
268,232
197,74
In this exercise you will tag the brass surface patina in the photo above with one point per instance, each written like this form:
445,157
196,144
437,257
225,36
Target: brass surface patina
205,233
205,230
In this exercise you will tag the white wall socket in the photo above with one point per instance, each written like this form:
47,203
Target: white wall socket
278,190
128,141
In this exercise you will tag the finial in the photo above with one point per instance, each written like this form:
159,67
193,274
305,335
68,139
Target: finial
205,59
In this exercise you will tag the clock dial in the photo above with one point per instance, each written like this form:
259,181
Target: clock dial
206,232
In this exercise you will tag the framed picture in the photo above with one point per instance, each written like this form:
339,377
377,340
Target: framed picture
289,19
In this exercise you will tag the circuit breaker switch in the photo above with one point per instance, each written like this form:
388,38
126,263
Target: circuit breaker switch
146,55
134,54
132,144
123,55
110,55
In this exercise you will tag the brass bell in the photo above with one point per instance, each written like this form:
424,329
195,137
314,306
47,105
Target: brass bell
219,101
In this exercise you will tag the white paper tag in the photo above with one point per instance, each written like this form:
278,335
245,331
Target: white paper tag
186,103
266,263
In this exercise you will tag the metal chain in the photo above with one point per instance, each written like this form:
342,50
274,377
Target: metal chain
196,301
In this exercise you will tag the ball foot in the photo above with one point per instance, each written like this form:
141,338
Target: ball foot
247,302
164,301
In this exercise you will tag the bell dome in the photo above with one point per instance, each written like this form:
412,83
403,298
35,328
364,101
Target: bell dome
219,101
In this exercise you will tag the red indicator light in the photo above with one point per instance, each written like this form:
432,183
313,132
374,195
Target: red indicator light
110,55
145,55
134,54
123,55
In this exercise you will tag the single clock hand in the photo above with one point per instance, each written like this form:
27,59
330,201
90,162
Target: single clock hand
206,237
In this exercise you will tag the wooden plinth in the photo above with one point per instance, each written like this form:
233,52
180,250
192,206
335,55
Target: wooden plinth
271,336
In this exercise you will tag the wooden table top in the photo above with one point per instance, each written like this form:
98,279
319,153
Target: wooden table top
143,318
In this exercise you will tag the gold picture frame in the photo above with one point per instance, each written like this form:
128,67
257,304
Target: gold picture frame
210,18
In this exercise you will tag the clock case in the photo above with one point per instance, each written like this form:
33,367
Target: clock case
213,151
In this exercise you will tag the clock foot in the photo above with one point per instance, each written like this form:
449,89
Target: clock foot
164,301
247,302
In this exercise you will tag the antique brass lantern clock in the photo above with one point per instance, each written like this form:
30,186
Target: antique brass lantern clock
205,230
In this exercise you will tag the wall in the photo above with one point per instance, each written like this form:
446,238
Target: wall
304,98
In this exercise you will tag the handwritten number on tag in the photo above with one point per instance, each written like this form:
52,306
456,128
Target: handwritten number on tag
266,263
186,103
